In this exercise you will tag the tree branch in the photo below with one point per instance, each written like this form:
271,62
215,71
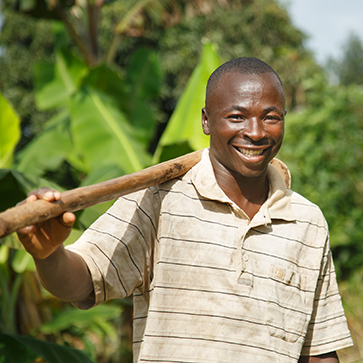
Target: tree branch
89,57
93,8
121,27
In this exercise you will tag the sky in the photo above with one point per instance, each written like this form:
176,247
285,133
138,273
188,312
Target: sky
327,22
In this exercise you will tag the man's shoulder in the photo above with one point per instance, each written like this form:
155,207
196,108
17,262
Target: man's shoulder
304,208
182,183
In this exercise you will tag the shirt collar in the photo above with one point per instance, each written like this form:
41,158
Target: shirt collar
277,205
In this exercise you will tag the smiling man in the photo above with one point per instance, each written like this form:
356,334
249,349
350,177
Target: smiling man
244,116
225,264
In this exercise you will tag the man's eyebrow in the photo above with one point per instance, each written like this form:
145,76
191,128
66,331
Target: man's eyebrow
273,108
244,109
236,108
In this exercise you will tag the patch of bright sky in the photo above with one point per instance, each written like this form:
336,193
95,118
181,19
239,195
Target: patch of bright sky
328,23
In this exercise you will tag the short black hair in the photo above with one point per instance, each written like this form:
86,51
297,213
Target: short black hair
244,65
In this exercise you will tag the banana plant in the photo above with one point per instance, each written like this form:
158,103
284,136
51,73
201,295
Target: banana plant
184,130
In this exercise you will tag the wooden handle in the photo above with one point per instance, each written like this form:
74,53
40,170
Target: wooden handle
73,200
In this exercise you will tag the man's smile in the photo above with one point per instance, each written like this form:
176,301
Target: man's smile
250,152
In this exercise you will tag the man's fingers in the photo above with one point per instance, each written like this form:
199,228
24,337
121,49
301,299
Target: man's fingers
25,233
31,198
67,219
51,195
44,193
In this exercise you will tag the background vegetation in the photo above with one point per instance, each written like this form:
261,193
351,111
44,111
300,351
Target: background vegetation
95,89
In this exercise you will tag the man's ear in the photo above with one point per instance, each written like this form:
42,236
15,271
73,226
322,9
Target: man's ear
205,122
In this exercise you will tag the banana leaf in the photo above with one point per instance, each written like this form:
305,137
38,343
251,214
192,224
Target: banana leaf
10,132
185,124
22,349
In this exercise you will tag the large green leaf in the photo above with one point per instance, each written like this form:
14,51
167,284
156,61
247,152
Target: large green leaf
144,74
101,133
22,349
22,261
143,121
12,190
55,139
81,318
55,83
9,134
185,122
11,241
13,351
108,81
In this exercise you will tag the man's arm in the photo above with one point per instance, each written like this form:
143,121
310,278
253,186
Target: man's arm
63,273
324,358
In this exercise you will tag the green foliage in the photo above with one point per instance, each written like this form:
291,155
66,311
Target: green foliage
81,318
90,121
23,42
17,348
56,139
12,191
184,127
348,68
97,124
15,186
100,321
260,28
9,289
143,80
323,148
56,82
160,26
10,132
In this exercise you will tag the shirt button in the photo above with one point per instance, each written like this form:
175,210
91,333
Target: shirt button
245,257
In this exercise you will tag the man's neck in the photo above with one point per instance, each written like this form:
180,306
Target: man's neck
248,193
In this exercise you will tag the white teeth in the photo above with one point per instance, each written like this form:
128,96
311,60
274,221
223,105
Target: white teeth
249,152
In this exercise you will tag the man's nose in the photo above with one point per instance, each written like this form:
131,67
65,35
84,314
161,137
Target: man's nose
254,129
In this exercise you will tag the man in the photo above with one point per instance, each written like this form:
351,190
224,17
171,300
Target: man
225,264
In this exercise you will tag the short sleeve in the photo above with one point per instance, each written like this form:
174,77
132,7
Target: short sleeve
118,247
328,330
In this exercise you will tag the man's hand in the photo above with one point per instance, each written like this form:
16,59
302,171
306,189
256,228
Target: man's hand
63,273
42,239
324,358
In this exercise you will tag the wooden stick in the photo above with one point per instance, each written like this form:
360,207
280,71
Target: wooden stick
73,200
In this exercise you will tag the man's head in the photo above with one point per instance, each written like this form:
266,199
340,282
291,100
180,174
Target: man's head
244,115
244,65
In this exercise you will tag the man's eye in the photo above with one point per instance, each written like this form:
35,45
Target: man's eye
273,119
236,117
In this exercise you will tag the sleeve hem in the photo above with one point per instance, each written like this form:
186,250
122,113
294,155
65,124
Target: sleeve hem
97,281
327,348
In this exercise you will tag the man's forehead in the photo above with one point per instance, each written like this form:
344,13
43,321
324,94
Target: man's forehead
247,83
245,78
240,89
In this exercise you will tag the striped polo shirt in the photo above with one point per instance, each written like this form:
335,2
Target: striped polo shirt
212,286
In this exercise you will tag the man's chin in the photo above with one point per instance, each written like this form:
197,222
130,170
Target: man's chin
249,173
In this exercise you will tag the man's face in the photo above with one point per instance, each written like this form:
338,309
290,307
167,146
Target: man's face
244,117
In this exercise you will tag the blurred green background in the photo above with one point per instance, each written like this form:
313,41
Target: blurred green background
95,89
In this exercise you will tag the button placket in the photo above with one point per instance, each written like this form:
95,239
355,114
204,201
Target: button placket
244,226
244,277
